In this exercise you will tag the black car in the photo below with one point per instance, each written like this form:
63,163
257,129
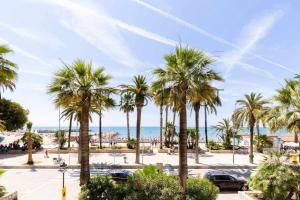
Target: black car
226,181
119,175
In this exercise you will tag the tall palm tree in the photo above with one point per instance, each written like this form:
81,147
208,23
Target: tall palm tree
203,92
140,90
289,102
127,106
182,67
247,113
29,144
210,107
8,74
160,95
103,102
78,83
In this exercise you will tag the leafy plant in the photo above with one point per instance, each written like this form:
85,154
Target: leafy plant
2,188
13,114
276,178
60,138
131,144
101,187
262,141
201,189
152,184
212,145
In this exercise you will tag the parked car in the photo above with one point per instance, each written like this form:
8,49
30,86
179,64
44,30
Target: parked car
226,181
119,175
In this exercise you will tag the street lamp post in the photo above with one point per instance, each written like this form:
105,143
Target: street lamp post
63,169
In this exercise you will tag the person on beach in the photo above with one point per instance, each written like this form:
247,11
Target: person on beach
46,153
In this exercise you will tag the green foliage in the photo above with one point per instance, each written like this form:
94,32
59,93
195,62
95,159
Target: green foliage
37,140
13,114
2,188
60,138
276,178
101,187
191,138
263,142
201,189
131,144
170,133
8,74
212,145
152,184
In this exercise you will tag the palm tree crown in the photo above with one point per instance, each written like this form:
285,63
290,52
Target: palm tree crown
8,74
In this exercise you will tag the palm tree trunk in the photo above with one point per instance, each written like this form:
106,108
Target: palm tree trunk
257,129
70,130
79,148
251,156
197,109
174,128
138,134
128,127
296,137
167,108
161,126
29,144
84,141
183,144
205,124
100,129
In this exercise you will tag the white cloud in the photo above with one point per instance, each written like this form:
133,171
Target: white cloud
40,37
94,26
26,53
207,33
251,34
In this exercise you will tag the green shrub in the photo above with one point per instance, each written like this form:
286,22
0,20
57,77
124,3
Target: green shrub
102,187
152,184
201,189
212,145
60,138
263,142
131,143
2,188
276,178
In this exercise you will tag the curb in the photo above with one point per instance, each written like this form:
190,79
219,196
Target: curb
130,167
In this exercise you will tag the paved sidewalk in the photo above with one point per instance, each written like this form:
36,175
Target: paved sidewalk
207,160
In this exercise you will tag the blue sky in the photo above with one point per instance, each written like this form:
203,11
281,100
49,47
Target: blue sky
255,44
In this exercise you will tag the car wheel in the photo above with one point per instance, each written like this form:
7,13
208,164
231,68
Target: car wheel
219,187
244,188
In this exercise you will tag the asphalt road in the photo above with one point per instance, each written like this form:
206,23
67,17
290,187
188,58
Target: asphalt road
46,183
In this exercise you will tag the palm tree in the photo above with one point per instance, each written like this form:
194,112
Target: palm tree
71,112
210,107
127,106
140,91
8,75
78,84
203,92
289,103
226,130
160,95
182,67
103,102
247,113
29,144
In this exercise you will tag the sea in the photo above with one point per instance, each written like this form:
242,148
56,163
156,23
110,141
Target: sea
148,132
